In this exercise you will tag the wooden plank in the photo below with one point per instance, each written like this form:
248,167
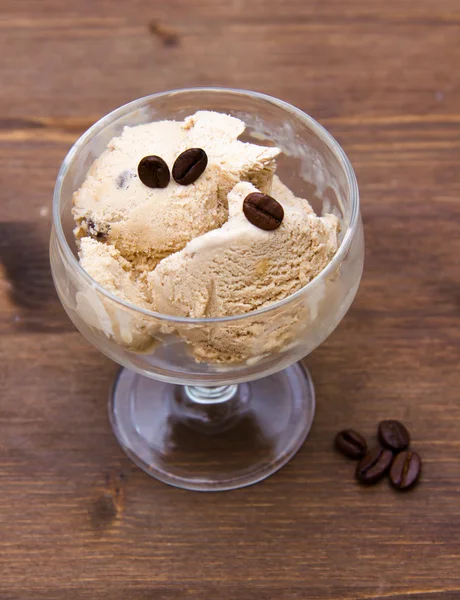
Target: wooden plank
78,519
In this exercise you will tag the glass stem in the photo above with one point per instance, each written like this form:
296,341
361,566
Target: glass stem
210,395
211,410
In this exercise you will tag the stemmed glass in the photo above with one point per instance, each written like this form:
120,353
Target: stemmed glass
237,418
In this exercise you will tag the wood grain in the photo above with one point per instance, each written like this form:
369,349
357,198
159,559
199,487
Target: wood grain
78,519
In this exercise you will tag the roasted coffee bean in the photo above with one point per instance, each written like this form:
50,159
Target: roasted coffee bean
405,470
189,166
153,172
263,211
372,467
351,443
393,435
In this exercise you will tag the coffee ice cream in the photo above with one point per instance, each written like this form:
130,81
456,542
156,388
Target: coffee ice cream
188,246
239,267
147,224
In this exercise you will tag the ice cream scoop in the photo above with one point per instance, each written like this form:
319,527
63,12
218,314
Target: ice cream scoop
146,224
241,267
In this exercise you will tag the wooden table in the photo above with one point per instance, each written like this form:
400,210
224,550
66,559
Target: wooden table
383,77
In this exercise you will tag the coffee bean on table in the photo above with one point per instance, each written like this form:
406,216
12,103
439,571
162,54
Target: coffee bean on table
405,470
393,435
351,443
263,211
373,466
153,172
189,166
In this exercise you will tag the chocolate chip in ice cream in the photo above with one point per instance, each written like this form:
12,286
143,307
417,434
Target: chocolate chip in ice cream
94,232
153,172
263,211
189,166
123,179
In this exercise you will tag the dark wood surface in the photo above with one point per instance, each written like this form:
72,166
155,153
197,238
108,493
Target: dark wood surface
383,76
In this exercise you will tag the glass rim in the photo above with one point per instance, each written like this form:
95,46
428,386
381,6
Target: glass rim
318,129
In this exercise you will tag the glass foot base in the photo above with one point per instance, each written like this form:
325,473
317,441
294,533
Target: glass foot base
250,433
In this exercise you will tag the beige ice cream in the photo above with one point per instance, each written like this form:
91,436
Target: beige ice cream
106,265
239,267
189,250
145,224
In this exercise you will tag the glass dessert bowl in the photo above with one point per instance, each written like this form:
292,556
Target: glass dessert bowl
215,403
